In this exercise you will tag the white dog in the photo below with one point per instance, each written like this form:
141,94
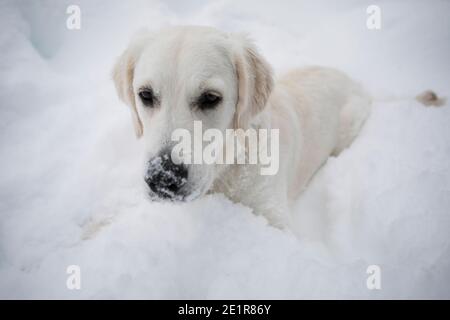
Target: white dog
178,75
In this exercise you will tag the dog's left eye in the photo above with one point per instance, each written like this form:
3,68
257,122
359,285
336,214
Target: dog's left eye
208,100
147,98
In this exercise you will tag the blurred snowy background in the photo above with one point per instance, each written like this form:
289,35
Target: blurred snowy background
68,156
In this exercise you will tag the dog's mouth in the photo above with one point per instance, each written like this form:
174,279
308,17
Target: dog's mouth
174,193
168,195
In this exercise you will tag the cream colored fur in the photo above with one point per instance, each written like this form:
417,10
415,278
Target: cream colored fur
319,111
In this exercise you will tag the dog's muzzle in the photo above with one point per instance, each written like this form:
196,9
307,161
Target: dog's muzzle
165,178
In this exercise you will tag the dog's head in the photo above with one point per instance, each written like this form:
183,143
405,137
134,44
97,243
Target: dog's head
173,77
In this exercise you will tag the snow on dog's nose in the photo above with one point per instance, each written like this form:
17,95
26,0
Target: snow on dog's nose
166,178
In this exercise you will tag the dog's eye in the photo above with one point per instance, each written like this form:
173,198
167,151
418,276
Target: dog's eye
146,97
208,100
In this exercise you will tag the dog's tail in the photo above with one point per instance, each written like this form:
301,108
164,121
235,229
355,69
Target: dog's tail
428,98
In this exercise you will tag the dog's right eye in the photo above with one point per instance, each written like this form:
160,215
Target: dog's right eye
208,100
146,97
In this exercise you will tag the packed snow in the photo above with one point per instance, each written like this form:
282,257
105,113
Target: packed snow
71,181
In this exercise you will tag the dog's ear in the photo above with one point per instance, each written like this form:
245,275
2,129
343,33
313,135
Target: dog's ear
123,75
255,80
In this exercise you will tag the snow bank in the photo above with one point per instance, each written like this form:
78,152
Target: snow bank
68,161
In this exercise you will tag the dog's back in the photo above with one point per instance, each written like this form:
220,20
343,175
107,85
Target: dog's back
326,109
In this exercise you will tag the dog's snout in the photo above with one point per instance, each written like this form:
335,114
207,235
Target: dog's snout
165,178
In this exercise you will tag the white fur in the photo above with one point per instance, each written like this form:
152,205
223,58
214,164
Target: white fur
319,111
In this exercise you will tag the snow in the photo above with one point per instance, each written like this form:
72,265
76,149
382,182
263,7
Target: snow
68,160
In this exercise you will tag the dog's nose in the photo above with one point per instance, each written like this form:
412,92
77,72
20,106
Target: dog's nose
164,177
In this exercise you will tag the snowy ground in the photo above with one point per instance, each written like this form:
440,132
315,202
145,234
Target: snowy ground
68,155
